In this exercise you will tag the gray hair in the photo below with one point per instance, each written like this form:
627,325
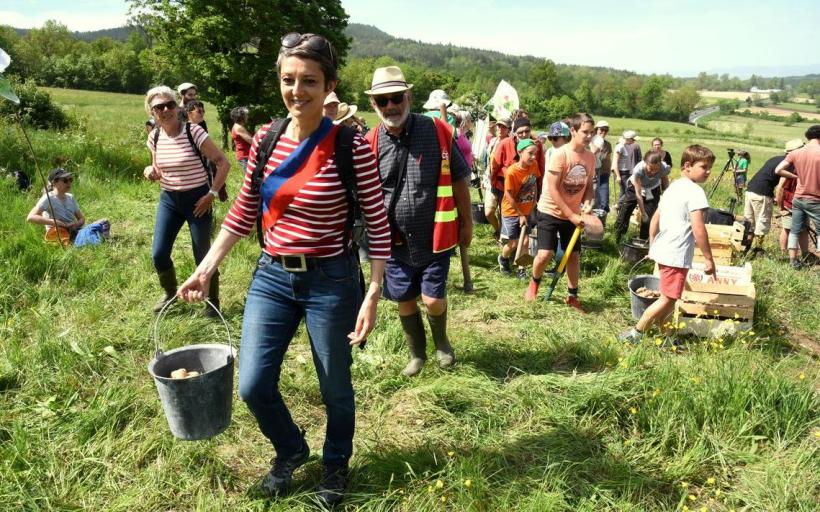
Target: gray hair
160,90
239,113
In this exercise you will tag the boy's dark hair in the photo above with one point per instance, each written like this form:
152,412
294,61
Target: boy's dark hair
813,132
325,59
746,155
697,153
193,104
654,157
579,119
657,139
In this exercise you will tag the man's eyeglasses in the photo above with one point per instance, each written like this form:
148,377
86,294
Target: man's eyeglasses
168,105
312,41
396,99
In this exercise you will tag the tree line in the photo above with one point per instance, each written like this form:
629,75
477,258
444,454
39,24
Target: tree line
229,51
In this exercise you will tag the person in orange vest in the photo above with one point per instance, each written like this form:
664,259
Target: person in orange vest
425,181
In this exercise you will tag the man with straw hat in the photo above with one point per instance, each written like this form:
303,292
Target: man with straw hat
426,190
331,106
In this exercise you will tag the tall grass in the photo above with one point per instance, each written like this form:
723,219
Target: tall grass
544,410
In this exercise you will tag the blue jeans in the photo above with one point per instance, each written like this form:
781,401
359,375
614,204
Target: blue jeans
328,297
802,211
602,193
174,210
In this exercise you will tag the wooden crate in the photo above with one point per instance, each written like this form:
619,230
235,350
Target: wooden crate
725,242
711,328
713,307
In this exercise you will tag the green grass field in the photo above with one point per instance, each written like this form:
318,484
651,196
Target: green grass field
544,411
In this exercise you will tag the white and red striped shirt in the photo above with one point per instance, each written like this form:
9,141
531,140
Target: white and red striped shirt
180,167
313,223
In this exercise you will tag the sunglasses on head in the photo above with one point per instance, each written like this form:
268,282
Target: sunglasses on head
396,99
312,42
168,105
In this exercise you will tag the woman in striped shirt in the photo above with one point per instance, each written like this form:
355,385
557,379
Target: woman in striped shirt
186,195
306,269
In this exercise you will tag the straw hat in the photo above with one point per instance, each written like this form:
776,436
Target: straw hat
387,80
794,144
331,98
602,124
436,98
345,112
630,134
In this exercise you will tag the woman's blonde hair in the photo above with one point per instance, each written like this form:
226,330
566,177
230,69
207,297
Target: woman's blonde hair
160,90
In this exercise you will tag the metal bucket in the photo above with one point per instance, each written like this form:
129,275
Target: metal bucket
634,251
478,214
195,407
638,303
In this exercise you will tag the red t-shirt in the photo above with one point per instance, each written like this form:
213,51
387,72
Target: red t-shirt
504,155
242,147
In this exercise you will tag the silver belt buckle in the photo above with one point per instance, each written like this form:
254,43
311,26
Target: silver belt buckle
294,262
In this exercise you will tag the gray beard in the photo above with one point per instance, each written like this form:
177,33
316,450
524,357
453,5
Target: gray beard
394,124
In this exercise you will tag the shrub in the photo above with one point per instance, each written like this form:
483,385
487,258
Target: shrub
794,117
36,107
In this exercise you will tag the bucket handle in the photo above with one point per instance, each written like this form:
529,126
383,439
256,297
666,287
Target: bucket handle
164,311
631,273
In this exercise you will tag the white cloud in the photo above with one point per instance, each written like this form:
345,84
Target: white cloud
77,21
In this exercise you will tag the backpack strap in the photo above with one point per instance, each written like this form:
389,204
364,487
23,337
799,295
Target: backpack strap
343,156
198,153
263,153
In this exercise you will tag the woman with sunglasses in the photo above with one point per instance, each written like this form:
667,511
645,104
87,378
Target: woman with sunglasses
67,218
185,195
307,269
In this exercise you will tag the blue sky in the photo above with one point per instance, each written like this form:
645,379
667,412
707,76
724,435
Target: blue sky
680,37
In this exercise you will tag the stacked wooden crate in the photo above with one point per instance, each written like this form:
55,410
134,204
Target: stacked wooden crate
725,241
715,306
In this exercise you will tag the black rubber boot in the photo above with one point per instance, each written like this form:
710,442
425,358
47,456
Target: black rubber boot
416,342
444,352
168,282
213,296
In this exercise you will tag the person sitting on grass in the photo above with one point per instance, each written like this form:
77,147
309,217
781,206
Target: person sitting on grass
567,184
643,189
68,219
677,225
520,188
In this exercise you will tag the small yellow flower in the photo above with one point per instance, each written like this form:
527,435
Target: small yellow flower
704,509
692,497
627,442
737,316
751,333
681,325
443,499
439,484
674,348
817,434
715,312
684,485
401,491
718,492
710,480
658,341
429,488
468,483
685,508
656,393
802,376
633,410
450,454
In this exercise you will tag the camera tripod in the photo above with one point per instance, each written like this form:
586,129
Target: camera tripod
731,163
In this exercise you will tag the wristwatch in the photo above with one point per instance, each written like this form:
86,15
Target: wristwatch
214,193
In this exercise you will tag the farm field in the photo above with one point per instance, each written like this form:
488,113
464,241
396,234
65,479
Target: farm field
544,410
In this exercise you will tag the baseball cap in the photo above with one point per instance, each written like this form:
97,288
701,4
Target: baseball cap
602,124
559,129
524,144
58,173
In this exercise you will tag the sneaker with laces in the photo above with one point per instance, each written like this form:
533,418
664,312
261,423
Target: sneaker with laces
504,265
630,336
280,476
574,302
332,488
522,274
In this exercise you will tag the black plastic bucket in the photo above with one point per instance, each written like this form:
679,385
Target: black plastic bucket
634,251
721,217
195,407
478,214
638,303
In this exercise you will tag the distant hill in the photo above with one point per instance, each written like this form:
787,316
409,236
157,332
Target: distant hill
117,34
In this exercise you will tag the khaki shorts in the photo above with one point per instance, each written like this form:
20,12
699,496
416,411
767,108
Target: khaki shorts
758,209
490,199
786,221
